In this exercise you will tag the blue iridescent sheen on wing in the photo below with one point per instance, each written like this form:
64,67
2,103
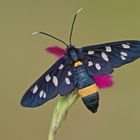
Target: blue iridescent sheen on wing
107,56
99,67
67,80
49,85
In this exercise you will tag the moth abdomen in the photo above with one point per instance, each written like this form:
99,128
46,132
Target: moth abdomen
90,97
91,102
87,87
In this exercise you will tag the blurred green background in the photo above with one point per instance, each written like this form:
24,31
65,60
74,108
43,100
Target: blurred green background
23,60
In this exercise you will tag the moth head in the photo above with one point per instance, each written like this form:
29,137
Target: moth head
73,53
70,47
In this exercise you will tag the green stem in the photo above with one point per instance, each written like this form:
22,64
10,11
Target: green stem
60,112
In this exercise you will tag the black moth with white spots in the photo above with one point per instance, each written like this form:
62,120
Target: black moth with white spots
98,60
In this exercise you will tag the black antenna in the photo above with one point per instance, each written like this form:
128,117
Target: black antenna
50,36
73,23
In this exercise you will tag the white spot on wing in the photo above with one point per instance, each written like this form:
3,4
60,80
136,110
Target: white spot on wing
41,93
125,46
48,78
67,81
104,56
44,95
98,67
55,81
108,49
35,89
90,63
69,73
61,66
123,58
124,54
90,52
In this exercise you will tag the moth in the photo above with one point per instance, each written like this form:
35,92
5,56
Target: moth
75,71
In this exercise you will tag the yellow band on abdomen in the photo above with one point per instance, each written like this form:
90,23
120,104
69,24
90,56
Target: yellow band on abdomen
88,90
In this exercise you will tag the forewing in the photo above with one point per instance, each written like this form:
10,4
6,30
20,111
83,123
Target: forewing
47,86
107,56
68,82
96,66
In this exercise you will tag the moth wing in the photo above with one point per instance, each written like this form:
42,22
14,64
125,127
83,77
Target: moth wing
68,81
47,86
101,59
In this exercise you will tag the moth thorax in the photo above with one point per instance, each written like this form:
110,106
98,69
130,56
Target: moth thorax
78,63
73,54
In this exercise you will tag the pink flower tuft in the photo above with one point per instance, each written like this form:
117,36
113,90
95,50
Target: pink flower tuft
56,50
103,81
